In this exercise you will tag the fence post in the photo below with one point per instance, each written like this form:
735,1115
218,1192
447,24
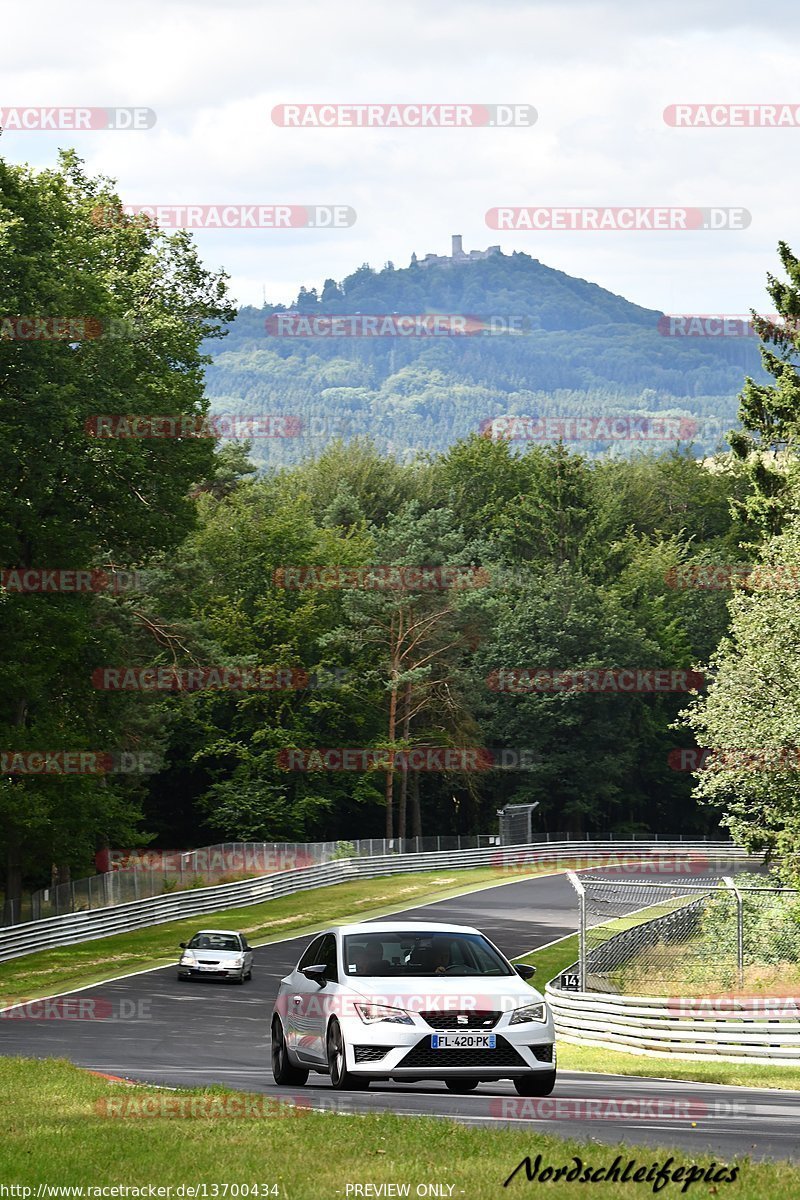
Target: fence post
581,890
726,879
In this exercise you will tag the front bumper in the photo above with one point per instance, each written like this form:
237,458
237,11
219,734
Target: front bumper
387,1051
220,972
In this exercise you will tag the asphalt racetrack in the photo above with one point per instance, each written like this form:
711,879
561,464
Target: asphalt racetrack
201,1033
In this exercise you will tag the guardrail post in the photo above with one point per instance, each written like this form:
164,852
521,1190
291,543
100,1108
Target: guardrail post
726,879
581,890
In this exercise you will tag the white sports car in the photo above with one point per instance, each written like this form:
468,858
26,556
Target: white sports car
410,1002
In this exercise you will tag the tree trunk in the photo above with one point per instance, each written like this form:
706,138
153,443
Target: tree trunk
13,871
401,812
390,767
416,816
11,907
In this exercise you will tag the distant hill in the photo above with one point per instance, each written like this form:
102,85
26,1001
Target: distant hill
575,350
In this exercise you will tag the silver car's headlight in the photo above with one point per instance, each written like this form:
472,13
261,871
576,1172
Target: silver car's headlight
188,959
531,1012
370,1013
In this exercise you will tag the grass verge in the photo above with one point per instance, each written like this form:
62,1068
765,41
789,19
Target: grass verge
58,1133
554,959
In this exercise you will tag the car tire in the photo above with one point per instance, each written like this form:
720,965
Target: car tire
183,979
540,1084
461,1086
283,1071
341,1079
240,978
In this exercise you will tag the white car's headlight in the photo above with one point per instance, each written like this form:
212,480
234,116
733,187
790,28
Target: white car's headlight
531,1012
370,1013
188,959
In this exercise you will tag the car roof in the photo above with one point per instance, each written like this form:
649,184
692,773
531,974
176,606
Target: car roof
235,932
405,926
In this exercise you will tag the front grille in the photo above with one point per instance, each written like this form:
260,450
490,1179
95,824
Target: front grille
209,962
450,1020
370,1053
543,1053
504,1055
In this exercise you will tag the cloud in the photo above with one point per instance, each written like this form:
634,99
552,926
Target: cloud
599,76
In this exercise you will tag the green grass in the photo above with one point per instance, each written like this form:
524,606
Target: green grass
57,1133
58,970
550,961
554,959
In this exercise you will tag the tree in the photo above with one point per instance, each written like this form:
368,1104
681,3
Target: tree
770,413
750,719
74,501
414,635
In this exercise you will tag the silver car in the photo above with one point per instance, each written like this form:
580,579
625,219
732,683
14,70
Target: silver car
216,954
411,1002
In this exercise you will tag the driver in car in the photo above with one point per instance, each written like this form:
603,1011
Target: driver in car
440,957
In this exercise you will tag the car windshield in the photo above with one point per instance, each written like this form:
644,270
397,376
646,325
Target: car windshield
410,955
214,941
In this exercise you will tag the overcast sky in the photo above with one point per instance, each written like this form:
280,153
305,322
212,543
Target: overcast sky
599,76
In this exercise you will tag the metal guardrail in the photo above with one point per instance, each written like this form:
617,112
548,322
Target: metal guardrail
141,873
654,1026
724,1028
71,928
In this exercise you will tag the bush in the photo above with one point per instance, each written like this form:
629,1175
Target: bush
343,850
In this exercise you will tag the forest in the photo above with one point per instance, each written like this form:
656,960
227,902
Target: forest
241,623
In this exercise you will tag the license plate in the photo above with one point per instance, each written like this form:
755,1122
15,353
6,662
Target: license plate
203,967
463,1041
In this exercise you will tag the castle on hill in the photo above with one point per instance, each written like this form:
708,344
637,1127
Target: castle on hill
458,255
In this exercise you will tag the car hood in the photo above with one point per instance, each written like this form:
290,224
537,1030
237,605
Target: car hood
454,994
215,955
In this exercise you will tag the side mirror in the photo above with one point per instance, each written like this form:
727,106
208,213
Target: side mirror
182,945
525,970
316,973
247,946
